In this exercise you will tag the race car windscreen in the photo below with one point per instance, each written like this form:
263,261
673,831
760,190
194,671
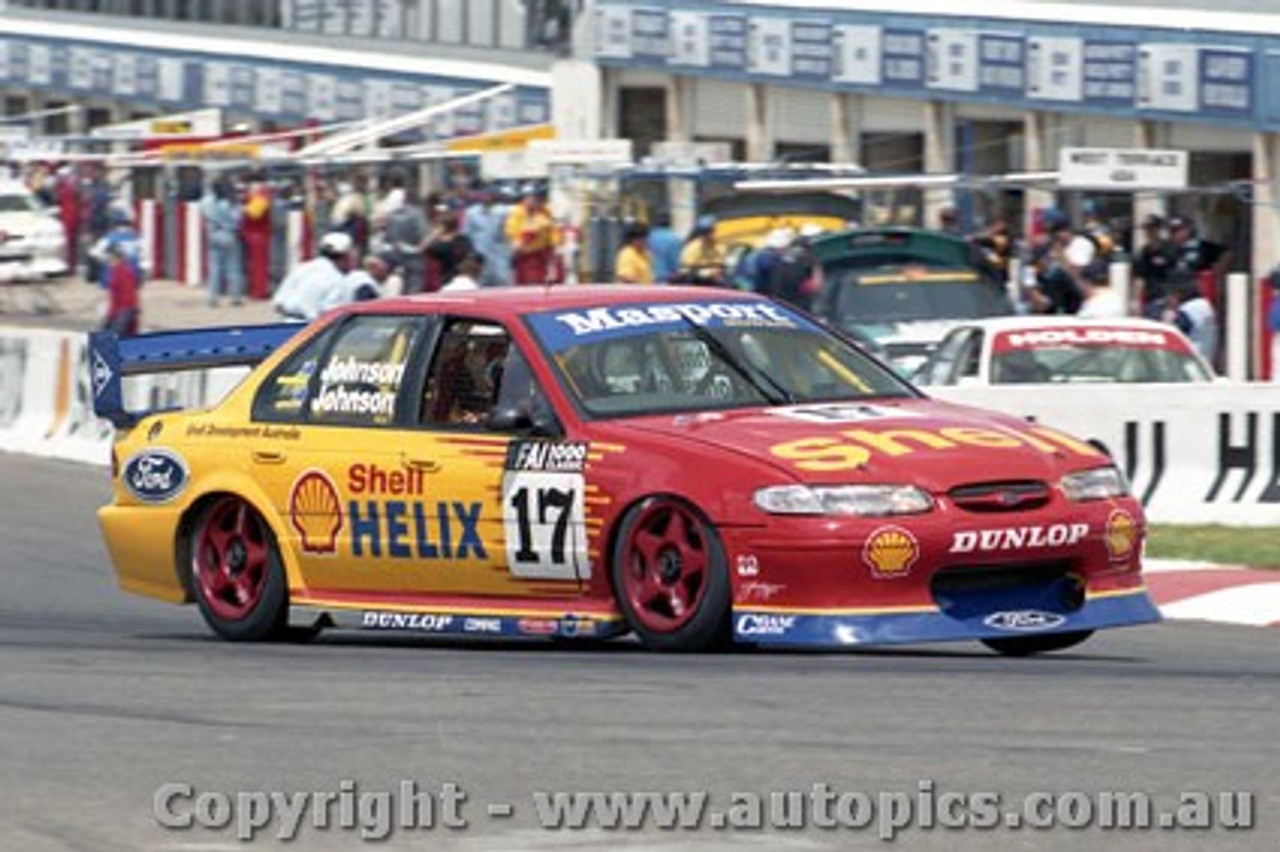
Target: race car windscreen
1081,355
911,292
655,358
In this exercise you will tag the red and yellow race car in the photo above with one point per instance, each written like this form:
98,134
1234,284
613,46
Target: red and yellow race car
694,466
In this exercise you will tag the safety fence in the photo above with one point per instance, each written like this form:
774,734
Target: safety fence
1193,453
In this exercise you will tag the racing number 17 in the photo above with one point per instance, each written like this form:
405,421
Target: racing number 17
548,500
543,518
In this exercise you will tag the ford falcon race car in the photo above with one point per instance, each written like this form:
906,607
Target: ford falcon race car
694,466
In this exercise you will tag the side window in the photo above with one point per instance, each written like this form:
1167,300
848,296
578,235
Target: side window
360,379
477,369
284,396
465,374
518,388
940,365
970,358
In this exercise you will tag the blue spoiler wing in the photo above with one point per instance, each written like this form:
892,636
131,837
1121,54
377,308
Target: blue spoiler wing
112,357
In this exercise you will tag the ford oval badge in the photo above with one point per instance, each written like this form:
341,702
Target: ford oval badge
155,475
1025,620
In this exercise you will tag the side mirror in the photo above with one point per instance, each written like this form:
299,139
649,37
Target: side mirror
520,421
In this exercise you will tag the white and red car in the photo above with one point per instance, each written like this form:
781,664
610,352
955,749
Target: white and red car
33,244
1063,350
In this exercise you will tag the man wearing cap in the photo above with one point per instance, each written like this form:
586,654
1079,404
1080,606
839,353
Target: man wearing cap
124,237
319,284
703,260
634,264
1192,253
531,231
1151,268
1100,301
1056,290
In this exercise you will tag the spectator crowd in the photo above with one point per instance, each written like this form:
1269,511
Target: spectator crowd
375,237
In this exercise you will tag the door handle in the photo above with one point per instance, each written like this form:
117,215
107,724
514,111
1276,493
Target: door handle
424,465
268,457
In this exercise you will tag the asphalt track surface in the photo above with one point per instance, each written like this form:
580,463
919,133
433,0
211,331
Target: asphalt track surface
104,698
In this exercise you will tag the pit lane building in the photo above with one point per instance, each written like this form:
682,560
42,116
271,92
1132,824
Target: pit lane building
273,63
937,87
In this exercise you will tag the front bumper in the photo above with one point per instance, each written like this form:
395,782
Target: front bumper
1003,619
32,262
938,577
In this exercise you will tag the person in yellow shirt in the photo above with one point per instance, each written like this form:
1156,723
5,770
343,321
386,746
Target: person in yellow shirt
531,231
634,264
702,261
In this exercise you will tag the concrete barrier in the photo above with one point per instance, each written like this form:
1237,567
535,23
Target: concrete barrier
46,395
1203,454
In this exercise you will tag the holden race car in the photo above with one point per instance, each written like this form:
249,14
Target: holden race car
1064,350
695,467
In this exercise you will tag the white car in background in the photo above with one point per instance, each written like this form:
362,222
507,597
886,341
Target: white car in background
33,244
1063,350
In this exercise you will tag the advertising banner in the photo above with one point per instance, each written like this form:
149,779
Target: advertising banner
1202,454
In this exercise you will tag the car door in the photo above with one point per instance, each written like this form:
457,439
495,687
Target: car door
340,482
510,507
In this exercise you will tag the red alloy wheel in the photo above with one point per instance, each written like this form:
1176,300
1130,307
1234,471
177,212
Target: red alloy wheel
665,567
232,558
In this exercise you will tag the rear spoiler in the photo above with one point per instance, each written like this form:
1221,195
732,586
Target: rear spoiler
112,357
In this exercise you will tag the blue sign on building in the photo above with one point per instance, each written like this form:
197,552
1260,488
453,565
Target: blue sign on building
1002,64
902,58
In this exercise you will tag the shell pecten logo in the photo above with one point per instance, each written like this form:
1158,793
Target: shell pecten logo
890,552
1122,535
315,512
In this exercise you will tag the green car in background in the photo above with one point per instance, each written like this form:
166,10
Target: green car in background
904,287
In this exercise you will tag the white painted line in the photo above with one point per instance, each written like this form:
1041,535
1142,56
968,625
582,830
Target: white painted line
1165,566
1257,604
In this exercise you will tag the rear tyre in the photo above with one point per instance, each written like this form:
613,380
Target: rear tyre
237,575
1025,646
671,578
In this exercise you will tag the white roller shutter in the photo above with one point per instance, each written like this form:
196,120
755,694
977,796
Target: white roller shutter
892,115
720,109
1206,137
801,115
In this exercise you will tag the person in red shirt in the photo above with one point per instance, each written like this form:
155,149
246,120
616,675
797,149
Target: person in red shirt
69,213
123,306
255,232
532,232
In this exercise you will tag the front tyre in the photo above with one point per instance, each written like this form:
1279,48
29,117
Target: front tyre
238,579
671,577
1025,646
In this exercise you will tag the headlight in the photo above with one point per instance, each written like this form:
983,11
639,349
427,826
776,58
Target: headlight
1099,483
864,501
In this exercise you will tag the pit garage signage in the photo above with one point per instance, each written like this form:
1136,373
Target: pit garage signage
1122,169
1116,69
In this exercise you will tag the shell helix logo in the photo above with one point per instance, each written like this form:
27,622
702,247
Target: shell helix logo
1122,535
890,552
315,512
